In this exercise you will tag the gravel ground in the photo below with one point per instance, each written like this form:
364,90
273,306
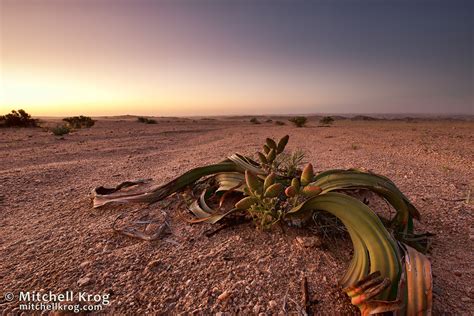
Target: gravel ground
52,240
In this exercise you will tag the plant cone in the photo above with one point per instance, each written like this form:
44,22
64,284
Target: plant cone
262,158
271,155
246,203
290,191
269,180
311,190
307,174
282,144
295,183
271,143
274,190
266,149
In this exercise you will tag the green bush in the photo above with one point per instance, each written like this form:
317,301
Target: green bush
326,120
279,123
254,120
60,130
146,120
79,121
299,121
17,119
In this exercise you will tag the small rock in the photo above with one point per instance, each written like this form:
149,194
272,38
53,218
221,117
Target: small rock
84,264
188,282
256,309
225,295
153,265
84,281
465,299
457,273
309,242
272,304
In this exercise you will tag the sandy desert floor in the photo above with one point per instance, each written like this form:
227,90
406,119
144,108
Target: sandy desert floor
52,240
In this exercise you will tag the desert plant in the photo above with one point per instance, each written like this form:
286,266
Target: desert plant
254,120
17,119
60,130
326,120
299,121
146,120
388,272
79,121
279,123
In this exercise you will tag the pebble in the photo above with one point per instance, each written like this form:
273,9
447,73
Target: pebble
309,242
225,295
465,299
256,309
84,281
272,304
457,273
152,265
84,264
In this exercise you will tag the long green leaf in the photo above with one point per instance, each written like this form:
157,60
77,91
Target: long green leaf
103,196
353,179
229,180
364,228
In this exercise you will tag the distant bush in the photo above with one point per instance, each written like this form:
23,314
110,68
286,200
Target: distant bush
326,120
299,121
279,123
79,121
254,120
269,121
363,118
17,119
146,120
60,130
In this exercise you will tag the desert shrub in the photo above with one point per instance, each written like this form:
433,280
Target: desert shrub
79,121
326,120
279,123
269,121
299,121
61,130
146,120
254,120
17,119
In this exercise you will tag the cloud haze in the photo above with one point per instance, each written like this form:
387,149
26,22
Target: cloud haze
236,57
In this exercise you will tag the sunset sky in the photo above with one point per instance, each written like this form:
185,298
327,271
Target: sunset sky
70,57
